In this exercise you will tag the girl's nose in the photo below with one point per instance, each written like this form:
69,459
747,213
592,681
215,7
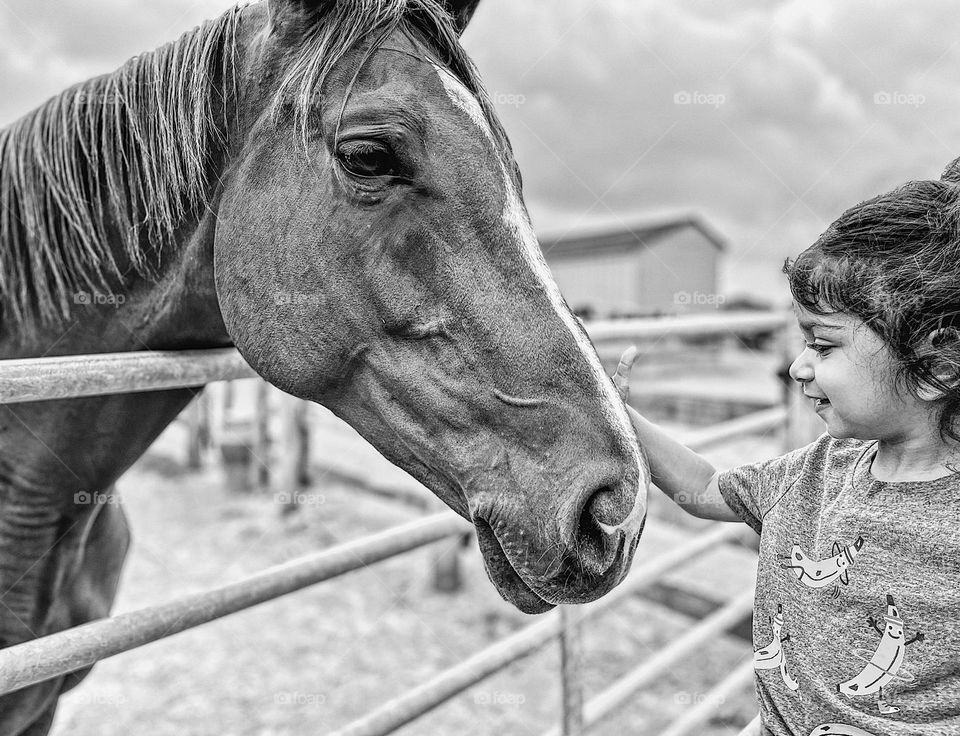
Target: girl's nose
801,370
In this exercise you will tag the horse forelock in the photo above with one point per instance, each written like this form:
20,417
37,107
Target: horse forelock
351,24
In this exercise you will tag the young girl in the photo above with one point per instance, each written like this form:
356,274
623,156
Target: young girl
857,614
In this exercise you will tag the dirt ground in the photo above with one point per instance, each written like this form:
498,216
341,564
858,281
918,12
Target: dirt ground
315,660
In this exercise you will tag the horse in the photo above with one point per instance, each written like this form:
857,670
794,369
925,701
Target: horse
325,185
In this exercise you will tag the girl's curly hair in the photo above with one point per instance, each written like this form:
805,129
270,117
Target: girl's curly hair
894,262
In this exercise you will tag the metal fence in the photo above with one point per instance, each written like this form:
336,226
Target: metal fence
67,651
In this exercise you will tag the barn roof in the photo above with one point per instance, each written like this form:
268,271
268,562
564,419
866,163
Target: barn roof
626,234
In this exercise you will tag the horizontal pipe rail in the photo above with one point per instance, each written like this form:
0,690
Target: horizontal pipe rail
758,421
696,717
36,379
731,323
58,654
420,700
608,701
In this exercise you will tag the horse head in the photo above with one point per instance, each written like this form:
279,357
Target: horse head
373,253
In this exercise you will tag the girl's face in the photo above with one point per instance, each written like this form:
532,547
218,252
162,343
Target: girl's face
849,373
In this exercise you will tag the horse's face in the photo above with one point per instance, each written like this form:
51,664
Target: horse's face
390,272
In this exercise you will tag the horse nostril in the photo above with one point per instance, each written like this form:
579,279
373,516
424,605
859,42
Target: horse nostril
600,515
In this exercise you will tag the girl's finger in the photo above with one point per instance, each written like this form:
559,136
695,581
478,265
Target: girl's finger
621,377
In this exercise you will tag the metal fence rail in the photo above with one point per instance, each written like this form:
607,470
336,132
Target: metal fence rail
57,654
414,703
36,379
110,373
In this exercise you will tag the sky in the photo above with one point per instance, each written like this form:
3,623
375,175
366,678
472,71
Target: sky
768,117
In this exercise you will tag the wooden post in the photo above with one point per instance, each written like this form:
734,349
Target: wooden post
445,556
289,453
571,671
303,444
260,442
198,430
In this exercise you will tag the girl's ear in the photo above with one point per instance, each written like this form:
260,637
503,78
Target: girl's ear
943,341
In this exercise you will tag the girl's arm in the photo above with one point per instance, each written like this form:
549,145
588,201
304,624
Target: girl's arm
687,478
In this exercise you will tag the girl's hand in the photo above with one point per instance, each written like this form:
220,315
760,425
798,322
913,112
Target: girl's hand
621,376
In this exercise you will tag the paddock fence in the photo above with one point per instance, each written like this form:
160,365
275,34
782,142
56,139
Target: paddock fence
21,665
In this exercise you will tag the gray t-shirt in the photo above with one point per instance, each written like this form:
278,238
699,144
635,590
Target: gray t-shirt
857,617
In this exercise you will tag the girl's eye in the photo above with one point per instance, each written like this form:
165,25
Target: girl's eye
819,348
367,158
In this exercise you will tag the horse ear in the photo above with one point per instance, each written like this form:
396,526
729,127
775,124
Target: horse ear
952,172
294,14
461,11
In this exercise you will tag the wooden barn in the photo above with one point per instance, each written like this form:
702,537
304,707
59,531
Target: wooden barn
647,266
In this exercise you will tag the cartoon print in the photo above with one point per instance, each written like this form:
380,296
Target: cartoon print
772,655
886,663
838,729
821,573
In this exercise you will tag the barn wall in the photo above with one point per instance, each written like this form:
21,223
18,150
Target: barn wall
646,280
677,275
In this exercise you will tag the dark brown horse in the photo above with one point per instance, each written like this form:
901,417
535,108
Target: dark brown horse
324,185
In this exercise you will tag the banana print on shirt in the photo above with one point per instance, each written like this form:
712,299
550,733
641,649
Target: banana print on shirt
886,663
821,573
772,655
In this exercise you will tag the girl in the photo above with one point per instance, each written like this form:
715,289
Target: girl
857,614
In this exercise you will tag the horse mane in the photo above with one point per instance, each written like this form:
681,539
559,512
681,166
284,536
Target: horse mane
129,154
125,154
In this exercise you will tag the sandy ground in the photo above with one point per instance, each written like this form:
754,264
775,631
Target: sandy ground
313,661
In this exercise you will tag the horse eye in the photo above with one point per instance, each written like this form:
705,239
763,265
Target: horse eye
366,158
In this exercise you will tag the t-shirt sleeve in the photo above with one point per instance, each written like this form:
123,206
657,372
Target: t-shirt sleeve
752,490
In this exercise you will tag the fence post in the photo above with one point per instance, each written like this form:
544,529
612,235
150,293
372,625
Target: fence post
260,442
571,671
290,461
198,430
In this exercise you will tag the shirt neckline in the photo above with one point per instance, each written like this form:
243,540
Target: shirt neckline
863,476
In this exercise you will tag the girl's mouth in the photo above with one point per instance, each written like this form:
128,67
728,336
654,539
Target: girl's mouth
820,403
